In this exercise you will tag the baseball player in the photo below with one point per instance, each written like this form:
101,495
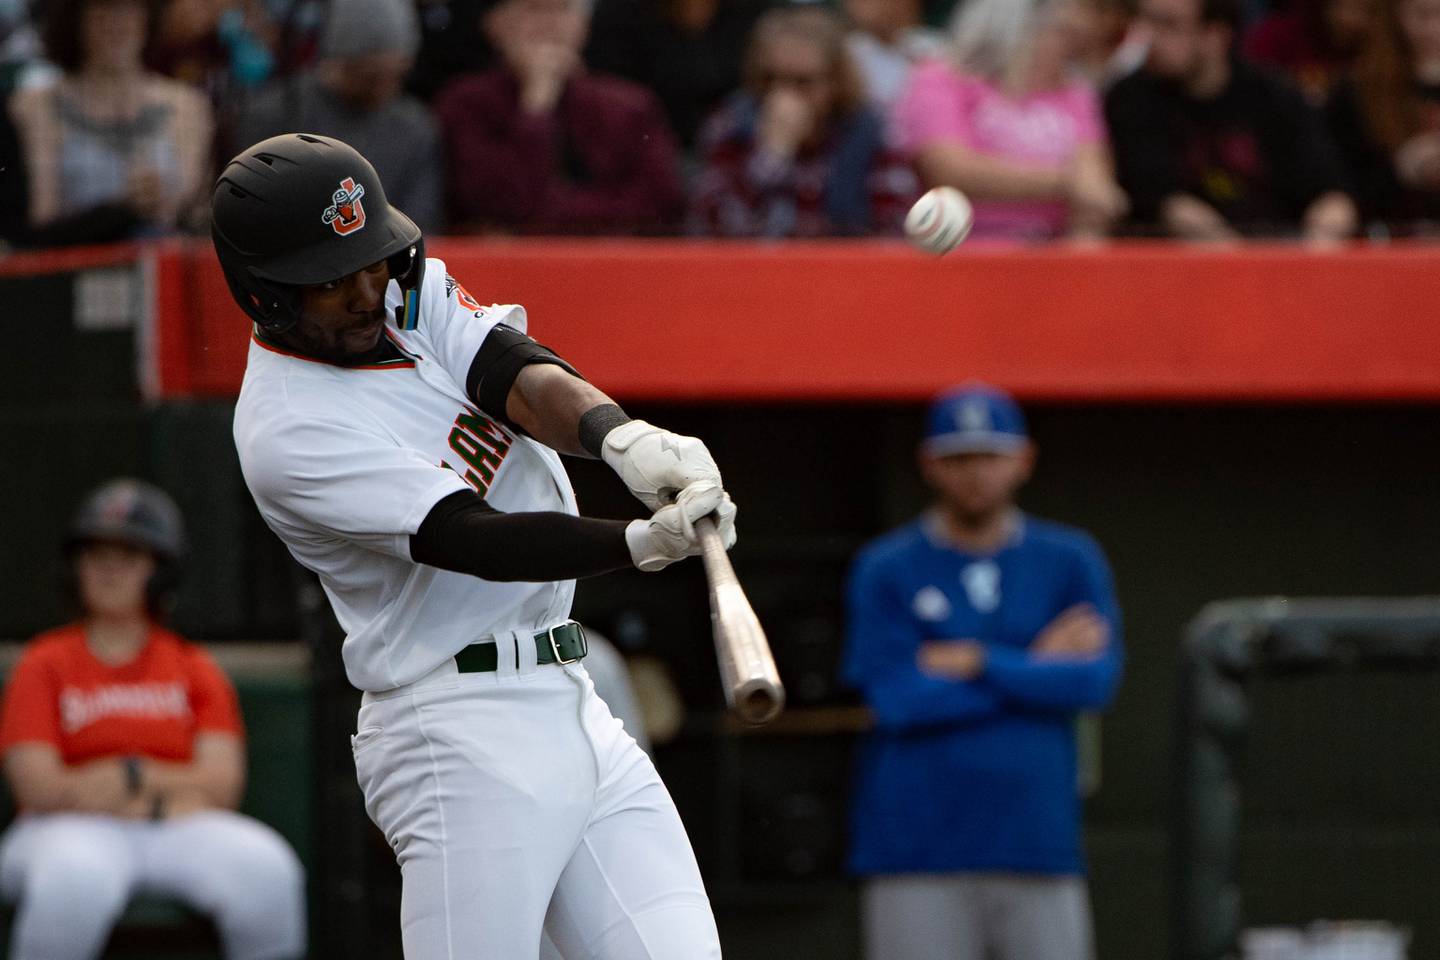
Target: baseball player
976,633
124,750
403,440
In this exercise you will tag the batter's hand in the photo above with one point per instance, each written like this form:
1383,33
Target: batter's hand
656,464
670,535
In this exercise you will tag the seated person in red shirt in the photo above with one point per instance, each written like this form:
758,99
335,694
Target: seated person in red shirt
798,153
1210,147
538,145
124,749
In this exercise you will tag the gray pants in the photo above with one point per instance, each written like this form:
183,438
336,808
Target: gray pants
977,916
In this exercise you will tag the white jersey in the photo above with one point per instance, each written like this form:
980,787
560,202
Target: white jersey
345,462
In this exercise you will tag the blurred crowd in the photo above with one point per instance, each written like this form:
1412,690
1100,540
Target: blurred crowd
1198,119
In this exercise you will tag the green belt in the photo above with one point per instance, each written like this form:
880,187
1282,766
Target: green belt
562,644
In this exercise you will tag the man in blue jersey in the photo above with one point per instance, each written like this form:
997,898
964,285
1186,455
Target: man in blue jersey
976,634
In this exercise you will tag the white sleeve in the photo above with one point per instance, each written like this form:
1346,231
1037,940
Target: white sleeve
456,324
330,478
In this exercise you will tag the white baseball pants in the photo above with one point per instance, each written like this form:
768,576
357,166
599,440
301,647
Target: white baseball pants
516,803
72,875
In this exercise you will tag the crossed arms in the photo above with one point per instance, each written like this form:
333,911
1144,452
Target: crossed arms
912,681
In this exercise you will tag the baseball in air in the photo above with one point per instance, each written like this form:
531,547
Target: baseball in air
939,220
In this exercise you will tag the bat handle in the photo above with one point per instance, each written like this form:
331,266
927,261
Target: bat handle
712,548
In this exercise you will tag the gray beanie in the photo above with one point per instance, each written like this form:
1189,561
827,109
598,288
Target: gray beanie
355,28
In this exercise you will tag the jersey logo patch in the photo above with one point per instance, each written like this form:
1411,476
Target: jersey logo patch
973,416
981,581
454,289
346,213
931,605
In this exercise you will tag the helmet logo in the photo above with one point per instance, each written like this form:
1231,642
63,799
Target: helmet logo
346,214
117,506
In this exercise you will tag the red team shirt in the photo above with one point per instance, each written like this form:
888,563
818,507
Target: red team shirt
153,706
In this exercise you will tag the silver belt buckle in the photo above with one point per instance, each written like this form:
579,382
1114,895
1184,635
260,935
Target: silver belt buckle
554,649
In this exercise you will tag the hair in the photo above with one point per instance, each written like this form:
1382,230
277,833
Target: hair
1384,77
991,36
815,25
61,33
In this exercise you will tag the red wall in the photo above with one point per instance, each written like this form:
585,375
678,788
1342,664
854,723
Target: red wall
707,320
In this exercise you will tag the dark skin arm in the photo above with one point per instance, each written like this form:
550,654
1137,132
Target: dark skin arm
548,402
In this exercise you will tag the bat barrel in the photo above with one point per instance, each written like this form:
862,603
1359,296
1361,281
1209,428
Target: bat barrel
747,667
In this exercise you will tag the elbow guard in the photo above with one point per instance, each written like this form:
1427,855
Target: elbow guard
505,352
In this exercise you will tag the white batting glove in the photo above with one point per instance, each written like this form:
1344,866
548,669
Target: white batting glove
657,464
670,535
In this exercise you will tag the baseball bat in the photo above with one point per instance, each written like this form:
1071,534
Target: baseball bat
747,668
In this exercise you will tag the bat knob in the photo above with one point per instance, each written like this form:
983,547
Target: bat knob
760,704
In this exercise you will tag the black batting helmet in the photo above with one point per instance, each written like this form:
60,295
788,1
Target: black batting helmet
130,511
302,209
139,514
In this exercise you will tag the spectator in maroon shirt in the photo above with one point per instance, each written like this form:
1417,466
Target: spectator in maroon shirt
798,153
539,145
1314,41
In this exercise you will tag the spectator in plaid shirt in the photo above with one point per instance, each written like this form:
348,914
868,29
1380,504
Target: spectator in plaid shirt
797,153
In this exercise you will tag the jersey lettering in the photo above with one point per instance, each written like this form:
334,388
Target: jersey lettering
80,708
482,444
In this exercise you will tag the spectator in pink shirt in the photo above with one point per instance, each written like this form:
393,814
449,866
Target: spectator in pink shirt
1012,123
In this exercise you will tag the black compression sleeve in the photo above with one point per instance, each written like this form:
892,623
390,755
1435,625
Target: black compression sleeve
465,534
596,422
505,352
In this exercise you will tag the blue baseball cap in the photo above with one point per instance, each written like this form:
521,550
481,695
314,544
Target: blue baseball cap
975,418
